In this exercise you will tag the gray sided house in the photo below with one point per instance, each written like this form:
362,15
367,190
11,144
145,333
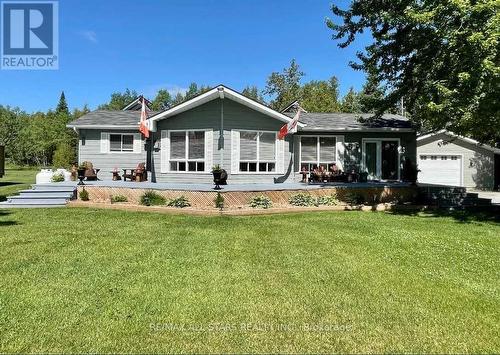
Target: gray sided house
224,127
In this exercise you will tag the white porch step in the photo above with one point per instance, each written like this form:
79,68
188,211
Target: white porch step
41,196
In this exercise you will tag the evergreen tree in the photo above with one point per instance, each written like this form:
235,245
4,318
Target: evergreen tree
162,101
350,102
62,106
284,87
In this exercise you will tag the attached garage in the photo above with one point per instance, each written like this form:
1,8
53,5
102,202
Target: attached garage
440,169
447,159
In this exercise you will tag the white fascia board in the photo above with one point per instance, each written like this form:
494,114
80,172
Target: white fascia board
215,93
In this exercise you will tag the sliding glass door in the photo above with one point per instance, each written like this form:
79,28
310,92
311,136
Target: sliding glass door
381,159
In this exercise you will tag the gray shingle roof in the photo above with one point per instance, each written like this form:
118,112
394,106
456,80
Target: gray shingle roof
350,121
315,122
108,118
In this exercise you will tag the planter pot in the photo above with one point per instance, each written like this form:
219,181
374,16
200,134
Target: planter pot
81,176
217,178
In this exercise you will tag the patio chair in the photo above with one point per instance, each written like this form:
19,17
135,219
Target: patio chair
90,172
138,174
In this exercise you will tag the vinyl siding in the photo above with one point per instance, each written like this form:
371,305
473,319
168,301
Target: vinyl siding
106,162
236,116
478,163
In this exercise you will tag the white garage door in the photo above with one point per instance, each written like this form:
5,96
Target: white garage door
440,169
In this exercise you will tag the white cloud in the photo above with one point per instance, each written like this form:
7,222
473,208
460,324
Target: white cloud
90,36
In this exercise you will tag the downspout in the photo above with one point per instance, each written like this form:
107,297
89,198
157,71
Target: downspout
221,132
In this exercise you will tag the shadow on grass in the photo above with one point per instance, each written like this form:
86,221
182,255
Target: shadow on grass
4,213
461,216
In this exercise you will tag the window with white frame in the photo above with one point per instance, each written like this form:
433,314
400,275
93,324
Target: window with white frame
187,151
121,142
317,151
257,151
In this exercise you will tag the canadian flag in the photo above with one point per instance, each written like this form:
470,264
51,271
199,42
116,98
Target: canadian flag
290,127
143,125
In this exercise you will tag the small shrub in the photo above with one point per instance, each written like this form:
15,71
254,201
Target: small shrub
353,198
302,200
179,202
118,199
64,155
151,198
219,201
261,202
84,195
327,201
58,177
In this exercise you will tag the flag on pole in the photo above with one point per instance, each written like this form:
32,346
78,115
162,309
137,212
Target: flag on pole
290,127
143,125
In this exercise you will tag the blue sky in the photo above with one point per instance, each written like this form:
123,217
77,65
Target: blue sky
108,46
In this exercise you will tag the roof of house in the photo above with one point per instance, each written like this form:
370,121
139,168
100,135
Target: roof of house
308,122
108,119
434,135
352,122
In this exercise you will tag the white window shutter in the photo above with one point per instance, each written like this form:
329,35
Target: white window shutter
137,143
164,151
280,156
340,152
235,151
104,142
209,150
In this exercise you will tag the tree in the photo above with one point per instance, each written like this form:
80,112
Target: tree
320,96
162,101
370,94
284,86
441,56
62,106
119,100
253,93
350,102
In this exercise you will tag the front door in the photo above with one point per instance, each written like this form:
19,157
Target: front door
381,158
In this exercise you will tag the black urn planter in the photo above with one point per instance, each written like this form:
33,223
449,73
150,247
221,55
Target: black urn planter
81,176
217,178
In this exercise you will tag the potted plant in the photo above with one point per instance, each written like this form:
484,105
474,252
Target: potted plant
217,172
81,173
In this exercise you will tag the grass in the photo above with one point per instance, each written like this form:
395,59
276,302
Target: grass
16,179
84,280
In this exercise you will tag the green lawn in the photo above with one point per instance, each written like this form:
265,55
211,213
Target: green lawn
84,280
16,179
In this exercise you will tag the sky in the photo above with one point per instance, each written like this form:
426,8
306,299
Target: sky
108,46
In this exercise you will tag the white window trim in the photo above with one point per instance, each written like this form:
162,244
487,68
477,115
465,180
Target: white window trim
379,141
133,151
186,159
338,139
275,161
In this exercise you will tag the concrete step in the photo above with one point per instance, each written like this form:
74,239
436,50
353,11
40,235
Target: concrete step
472,194
36,201
16,205
43,195
53,187
476,202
